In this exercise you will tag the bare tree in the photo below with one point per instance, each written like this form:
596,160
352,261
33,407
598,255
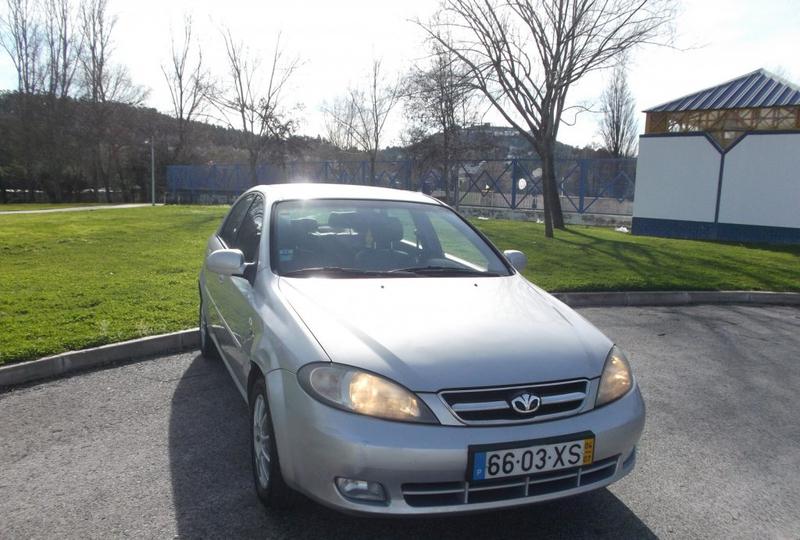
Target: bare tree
21,37
41,40
340,116
364,117
441,100
525,55
253,104
104,81
618,127
63,46
189,85
96,27
105,85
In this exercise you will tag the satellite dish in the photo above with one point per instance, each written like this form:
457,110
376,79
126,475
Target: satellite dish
537,173
522,184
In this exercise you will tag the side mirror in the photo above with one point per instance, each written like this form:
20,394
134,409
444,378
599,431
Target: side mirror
228,262
517,259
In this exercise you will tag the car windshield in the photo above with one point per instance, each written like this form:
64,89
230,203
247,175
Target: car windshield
365,238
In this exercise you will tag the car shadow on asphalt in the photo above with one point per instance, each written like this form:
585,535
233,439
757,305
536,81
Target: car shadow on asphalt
213,493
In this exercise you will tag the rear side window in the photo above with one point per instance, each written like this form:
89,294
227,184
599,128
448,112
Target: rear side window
230,229
250,230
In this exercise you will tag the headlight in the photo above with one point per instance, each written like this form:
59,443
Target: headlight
616,379
361,392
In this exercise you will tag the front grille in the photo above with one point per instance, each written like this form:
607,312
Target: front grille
493,405
459,493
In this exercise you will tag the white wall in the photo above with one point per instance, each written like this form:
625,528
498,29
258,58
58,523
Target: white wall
761,181
676,178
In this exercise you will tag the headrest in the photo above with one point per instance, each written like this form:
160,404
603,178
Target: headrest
304,225
343,220
293,232
387,230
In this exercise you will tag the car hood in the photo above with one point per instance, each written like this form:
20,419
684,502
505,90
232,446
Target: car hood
431,334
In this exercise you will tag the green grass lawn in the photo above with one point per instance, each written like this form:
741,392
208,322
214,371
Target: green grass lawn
16,207
601,259
75,280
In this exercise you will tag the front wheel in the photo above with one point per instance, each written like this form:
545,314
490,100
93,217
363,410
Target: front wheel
270,487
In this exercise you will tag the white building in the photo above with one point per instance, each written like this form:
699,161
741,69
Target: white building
723,164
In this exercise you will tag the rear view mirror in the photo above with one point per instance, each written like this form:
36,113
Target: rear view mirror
517,259
228,262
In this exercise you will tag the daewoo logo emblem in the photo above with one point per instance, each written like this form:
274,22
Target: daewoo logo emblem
525,403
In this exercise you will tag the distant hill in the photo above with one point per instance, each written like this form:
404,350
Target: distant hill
70,149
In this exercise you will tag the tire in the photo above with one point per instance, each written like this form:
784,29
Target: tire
270,487
207,346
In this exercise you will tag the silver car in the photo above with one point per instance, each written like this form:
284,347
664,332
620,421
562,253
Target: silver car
394,362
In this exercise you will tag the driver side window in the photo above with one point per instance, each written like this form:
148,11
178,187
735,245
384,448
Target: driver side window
230,229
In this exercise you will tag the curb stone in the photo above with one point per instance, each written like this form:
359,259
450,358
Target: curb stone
73,361
69,362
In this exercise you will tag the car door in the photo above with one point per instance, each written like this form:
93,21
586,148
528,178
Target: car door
215,283
237,293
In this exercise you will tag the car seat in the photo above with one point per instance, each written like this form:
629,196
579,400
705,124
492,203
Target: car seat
387,232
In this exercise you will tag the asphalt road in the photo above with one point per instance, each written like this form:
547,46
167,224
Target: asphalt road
158,448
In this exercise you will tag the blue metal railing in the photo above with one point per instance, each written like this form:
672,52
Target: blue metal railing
603,186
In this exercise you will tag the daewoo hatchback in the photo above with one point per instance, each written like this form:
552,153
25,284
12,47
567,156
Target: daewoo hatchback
394,362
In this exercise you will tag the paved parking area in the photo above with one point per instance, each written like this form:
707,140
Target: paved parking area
159,448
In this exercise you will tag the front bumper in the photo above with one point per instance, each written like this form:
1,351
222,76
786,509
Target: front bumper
423,468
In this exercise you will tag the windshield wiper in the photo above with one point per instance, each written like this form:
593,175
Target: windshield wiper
343,272
445,270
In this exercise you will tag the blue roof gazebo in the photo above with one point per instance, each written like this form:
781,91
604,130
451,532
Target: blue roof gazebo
756,101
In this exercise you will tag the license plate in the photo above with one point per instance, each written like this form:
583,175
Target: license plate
520,459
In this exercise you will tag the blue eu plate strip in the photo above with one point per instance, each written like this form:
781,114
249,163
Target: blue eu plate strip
479,466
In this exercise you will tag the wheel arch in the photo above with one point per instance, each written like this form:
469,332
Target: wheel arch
252,376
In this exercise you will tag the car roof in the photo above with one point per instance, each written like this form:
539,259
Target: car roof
307,190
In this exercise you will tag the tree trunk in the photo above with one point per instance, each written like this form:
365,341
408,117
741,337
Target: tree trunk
372,158
178,151
105,175
107,186
49,188
95,182
100,176
550,186
546,198
123,187
548,180
555,204
253,162
446,165
448,197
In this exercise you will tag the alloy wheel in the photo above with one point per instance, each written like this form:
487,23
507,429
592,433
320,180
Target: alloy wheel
261,441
